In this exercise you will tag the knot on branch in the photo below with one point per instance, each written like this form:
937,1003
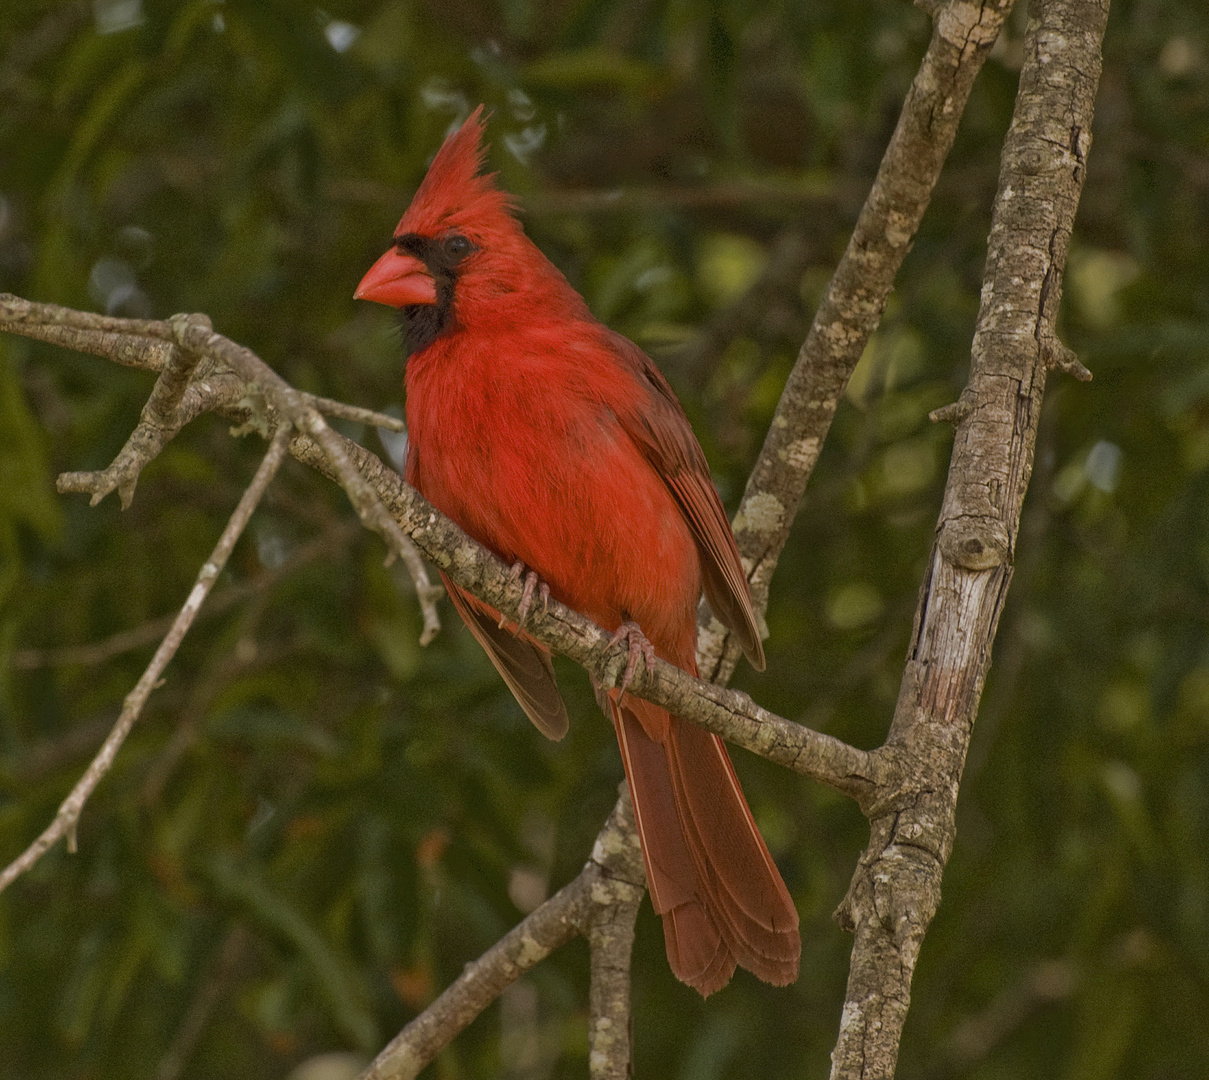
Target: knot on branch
954,413
1058,357
191,331
975,543
897,885
615,880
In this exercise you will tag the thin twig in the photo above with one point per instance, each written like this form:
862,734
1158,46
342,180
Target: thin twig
230,379
195,333
329,542
66,820
329,407
373,514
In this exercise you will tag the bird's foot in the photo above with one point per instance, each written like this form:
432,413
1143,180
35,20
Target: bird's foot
534,586
637,648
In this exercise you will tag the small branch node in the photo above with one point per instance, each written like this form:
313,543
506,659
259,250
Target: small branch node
954,413
980,543
1058,357
192,332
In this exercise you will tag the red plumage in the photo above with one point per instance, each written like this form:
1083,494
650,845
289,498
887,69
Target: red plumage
556,442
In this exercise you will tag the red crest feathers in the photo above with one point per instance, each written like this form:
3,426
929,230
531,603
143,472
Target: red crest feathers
453,192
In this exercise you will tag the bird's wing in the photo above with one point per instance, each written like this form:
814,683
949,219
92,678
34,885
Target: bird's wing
656,422
525,666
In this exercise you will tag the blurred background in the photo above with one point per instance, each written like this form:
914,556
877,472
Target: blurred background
318,822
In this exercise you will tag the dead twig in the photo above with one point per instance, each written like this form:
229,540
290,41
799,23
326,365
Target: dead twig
331,541
67,819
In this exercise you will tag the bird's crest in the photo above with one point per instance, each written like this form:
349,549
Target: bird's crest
453,192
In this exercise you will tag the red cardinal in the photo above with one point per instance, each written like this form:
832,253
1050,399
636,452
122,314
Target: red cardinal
559,445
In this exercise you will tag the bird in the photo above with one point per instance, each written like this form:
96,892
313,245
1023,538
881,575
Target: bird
557,443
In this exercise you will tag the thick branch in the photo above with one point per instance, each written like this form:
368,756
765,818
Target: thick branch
896,889
962,35
728,713
612,878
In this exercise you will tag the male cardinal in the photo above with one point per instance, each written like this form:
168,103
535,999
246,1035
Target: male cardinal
559,445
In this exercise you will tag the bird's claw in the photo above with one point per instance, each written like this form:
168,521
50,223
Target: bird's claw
637,648
533,586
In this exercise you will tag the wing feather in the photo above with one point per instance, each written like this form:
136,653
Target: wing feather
525,666
660,428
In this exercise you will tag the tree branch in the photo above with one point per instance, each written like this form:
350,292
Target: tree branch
258,397
896,888
962,35
226,378
611,881
65,821
841,329
329,542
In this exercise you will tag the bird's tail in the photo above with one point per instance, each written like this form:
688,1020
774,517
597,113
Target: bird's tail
708,869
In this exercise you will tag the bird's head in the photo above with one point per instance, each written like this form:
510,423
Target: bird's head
459,257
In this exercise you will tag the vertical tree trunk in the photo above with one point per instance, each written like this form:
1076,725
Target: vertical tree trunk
896,889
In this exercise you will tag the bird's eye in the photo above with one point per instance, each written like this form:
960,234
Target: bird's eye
456,247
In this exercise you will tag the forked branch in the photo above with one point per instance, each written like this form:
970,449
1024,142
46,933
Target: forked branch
908,786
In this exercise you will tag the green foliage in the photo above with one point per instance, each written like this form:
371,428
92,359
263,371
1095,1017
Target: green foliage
318,822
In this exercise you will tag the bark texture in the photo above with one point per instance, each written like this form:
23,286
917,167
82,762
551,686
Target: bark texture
962,35
896,889
908,787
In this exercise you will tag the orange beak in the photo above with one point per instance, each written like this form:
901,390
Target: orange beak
397,280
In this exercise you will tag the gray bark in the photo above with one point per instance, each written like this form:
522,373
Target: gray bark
896,889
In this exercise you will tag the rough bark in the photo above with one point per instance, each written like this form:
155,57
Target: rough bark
908,787
962,35
896,889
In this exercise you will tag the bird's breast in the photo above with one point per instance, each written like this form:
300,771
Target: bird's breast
529,458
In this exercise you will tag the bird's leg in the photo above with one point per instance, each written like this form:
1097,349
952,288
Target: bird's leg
533,584
637,648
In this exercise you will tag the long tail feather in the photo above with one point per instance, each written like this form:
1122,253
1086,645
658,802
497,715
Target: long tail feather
709,872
